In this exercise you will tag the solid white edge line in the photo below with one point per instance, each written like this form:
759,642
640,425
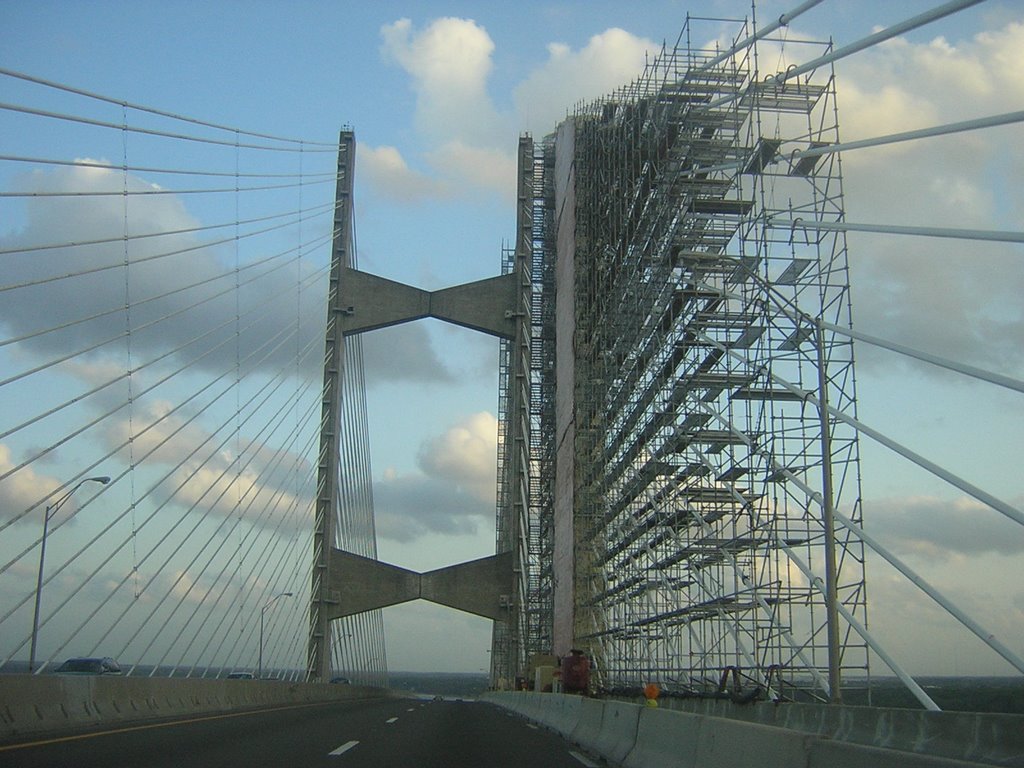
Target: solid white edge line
344,748
583,760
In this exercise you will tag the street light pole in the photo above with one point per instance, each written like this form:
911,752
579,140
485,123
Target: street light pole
51,510
263,611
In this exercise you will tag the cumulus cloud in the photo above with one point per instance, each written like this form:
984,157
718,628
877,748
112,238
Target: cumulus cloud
181,287
953,298
454,491
388,174
490,168
157,434
608,61
185,588
959,299
100,283
198,586
24,489
473,146
942,529
473,141
403,353
223,492
449,62
410,506
257,485
465,456
937,76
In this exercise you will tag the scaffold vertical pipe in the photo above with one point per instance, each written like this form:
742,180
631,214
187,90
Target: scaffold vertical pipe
829,524
511,644
319,653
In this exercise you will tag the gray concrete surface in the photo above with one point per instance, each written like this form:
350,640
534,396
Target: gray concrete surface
359,584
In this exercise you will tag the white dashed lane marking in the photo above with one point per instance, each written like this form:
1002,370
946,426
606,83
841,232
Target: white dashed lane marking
343,748
392,719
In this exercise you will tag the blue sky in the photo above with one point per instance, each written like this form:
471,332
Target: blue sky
434,205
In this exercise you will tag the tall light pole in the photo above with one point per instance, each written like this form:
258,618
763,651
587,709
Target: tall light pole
51,510
263,612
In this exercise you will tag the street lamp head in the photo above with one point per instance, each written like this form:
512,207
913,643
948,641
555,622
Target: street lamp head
104,479
275,597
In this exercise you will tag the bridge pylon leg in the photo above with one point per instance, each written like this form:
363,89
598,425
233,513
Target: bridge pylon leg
318,667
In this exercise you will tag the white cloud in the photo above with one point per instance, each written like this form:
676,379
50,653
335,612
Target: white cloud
387,173
184,587
26,488
476,167
981,73
457,169
454,492
470,145
449,62
466,456
607,62
225,492
173,282
256,486
101,282
871,109
157,435
958,299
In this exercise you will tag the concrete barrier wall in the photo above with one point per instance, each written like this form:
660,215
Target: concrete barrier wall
665,738
981,737
52,704
588,726
723,743
645,737
618,734
561,713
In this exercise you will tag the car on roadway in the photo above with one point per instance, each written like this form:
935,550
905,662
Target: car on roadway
341,681
89,666
241,676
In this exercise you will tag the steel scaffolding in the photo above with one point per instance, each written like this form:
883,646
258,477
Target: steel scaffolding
703,481
515,640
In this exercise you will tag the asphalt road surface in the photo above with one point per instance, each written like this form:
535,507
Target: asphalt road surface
382,733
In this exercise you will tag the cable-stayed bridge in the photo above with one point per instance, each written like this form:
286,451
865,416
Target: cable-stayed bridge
181,349
680,446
